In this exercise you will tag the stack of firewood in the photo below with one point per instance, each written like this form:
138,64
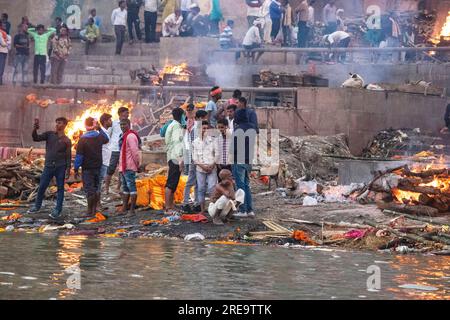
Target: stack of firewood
19,178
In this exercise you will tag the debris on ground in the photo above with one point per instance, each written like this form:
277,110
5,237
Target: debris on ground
307,156
398,143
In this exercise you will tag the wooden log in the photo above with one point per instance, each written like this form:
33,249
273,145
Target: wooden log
419,189
425,174
418,210
395,213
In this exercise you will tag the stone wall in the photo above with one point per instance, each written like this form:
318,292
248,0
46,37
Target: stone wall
360,114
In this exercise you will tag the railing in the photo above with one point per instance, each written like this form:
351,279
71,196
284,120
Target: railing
373,51
167,90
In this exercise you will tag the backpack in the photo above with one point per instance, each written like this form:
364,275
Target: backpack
163,130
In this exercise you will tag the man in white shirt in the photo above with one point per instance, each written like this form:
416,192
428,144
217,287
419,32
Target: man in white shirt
119,19
150,19
171,26
338,39
265,15
329,17
252,40
114,133
253,11
106,123
204,157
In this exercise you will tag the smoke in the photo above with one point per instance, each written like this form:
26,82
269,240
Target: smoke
227,75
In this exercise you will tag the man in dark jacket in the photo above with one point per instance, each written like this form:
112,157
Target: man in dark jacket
133,7
242,151
89,157
58,157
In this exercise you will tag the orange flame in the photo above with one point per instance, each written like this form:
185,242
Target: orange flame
181,71
76,128
445,31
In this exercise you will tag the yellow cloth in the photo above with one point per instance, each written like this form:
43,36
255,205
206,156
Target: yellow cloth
151,192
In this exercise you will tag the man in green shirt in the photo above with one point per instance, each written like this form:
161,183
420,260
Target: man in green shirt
40,37
174,147
91,35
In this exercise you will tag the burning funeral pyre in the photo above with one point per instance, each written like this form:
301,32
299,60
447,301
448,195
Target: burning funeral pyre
76,128
172,75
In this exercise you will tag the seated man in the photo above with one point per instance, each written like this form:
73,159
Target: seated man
187,28
224,200
171,25
252,40
91,34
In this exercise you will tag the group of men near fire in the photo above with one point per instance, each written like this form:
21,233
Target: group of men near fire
205,144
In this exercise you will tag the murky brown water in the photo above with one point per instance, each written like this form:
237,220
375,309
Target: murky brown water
35,267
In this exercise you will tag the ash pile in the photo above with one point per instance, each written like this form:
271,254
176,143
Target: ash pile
399,143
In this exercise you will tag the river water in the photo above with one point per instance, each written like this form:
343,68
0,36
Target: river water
36,266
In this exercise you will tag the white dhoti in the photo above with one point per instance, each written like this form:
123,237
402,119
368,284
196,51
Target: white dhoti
225,205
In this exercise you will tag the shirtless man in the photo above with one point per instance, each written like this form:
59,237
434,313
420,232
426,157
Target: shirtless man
224,200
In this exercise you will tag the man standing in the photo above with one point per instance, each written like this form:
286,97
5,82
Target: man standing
253,10
58,156
89,157
303,29
211,107
133,7
231,109
22,45
193,124
40,37
119,21
251,114
329,17
128,165
204,157
242,150
106,123
150,19
223,146
115,132
5,46
61,46
174,147
6,23
276,11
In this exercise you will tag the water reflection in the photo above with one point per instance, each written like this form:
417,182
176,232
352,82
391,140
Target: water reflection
148,269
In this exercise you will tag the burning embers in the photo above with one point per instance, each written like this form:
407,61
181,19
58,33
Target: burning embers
173,75
75,128
420,190
444,36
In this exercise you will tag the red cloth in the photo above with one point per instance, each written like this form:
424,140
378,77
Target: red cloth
123,152
194,218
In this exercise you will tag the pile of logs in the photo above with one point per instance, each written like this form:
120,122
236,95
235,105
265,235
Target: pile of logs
416,192
19,178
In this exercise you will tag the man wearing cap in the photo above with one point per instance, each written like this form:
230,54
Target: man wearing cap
211,107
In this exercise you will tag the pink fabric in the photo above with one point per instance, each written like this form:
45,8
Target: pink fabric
132,154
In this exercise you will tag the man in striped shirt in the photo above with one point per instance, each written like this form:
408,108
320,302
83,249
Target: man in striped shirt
223,141
226,37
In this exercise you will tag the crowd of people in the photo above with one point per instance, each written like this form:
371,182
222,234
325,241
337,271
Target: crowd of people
105,147
213,146
204,145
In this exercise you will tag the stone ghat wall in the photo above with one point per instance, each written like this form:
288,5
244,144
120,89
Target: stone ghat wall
360,114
